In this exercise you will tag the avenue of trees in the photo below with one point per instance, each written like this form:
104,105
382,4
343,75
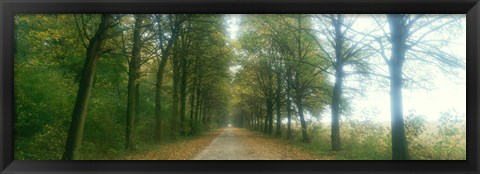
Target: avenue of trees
93,86
101,84
295,67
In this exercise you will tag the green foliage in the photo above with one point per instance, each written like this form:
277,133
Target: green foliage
414,127
451,133
48,144
358,142
50,53
359,138
440,141
40,129
49,56
196,128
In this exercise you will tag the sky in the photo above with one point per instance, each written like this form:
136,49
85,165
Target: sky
447,92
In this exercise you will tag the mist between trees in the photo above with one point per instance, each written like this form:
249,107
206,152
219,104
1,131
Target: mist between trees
103,86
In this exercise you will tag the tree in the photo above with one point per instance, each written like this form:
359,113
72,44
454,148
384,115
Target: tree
94,51
408,40
262,65
167,26
288,71
180,70
398,38
285,39
265,81
288,81
278,95
304,76
340,50
133,83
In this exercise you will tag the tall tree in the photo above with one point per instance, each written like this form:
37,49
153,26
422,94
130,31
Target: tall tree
265,80
167,26
304,75
278,97
412,37
288,89
286,38
94,51
340,50
184,72
398,38
133,83
176,78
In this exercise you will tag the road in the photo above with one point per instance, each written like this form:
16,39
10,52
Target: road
242,144
229,145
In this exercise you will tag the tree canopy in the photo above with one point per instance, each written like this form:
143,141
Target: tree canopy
91,86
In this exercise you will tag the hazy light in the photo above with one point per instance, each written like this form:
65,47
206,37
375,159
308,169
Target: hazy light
446,94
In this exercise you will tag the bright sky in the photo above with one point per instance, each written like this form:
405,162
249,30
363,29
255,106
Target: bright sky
448,92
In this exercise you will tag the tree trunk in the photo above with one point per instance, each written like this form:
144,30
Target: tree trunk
257,122
158,100
335,107
259,118
94,51
278,103
133,75
197,106
192,108
244,121
183,97
399,141
289,105
159,80
265,128
298,84
200,109
270,116
302,121
203,112
175,98
198,79
193,97
207,118
252,121
204,115
289,118
137,102
337,88
398,37
129,144
173,133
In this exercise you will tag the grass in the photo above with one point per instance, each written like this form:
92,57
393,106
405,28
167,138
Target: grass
181,149
144,145
372,141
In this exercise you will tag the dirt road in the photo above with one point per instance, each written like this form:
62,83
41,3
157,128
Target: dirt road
229,145
242,144
226,144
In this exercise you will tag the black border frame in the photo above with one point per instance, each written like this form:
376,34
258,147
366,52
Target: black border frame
8,8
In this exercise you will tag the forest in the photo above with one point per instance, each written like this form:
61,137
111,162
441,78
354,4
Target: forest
278,86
